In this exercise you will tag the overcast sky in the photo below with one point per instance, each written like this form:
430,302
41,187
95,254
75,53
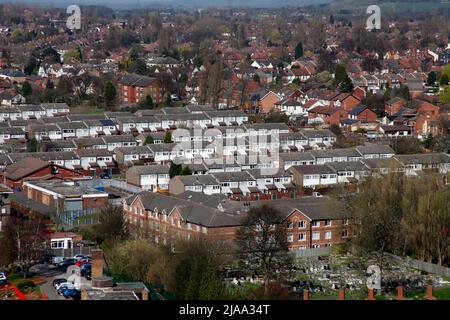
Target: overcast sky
123,4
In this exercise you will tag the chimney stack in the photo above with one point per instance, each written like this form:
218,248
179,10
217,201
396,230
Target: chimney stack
97,263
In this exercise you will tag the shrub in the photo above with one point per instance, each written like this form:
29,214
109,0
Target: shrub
26,286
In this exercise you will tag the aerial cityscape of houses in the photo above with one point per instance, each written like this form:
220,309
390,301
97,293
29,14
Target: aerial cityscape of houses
188,120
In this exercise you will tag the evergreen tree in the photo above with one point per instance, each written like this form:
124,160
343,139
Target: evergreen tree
147,103
431,78
186,171
109,93
339,74
27,90
346,85
148,140
168,137
211,286
175,169
32,145
298,50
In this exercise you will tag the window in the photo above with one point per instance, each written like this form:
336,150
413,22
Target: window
57,244
316,245
316,236
345,222
290,225
301,237
290,238
327,223
344,233
302,224
315,224
328,235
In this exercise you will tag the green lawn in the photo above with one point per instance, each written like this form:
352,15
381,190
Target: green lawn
442,293
87,110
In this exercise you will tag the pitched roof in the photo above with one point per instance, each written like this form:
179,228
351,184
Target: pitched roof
137,80
24,167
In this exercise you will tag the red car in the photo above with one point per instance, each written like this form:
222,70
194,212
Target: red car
82,261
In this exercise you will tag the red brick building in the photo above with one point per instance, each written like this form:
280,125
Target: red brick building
311,222
394,105
34,169
346,101
134,88
64,195
363,113
327,115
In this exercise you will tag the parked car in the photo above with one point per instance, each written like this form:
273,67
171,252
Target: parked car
85,243
78,257
105,176
72,293
63,284
3,278
83,261
64,287
66,263
58,281
85,269
56,260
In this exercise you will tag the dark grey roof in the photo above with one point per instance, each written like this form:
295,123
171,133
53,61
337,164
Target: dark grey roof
153,169
381,163
203,179
347,152
133,150
260,173
191,212
137,80
234,176
312,169
119,138
296,156
347,166
423,158
375,149
72,125
317,133
322,208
